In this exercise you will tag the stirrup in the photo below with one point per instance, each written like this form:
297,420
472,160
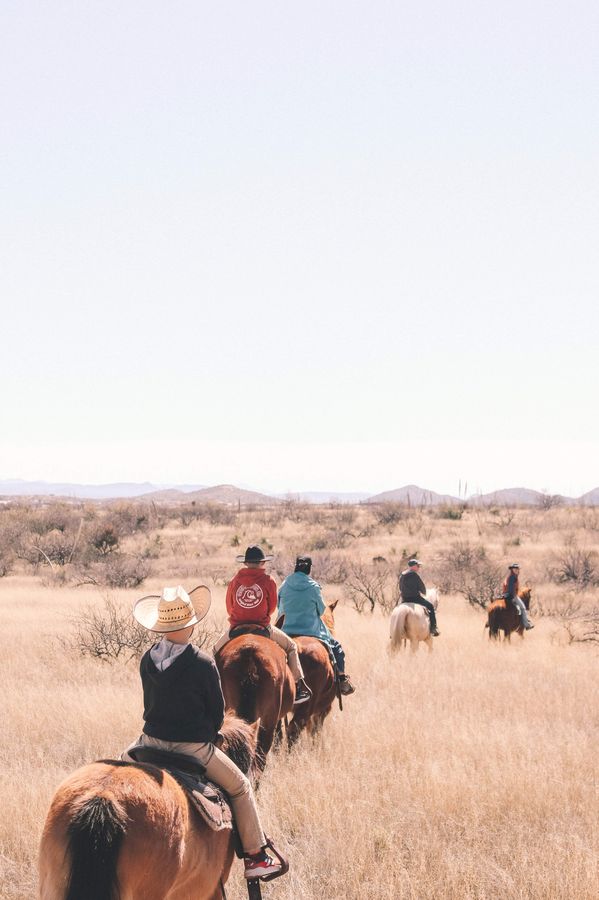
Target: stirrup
284,863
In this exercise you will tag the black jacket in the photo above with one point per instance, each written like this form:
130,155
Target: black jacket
411,586
185,701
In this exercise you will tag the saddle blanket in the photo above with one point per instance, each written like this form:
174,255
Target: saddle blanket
208,799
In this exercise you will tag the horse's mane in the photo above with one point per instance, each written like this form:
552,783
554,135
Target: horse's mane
239,743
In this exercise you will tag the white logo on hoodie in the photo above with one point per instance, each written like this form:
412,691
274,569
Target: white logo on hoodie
248,597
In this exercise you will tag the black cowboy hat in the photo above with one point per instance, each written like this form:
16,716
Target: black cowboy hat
253,555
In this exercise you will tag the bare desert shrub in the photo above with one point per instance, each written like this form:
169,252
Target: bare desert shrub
550,501
467,570
574,565
129,518
454,513
54,546
114,570
7,555
331,539
109,632
104,539
342,515
369,585
389,514
330,569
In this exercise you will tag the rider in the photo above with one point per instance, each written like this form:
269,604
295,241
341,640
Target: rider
413,590
510,594
300,600
251,600
184,707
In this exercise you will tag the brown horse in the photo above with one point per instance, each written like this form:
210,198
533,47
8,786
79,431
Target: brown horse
257,685
320,677
503,616
127,830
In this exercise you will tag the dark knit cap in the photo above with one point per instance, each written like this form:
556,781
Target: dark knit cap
303,564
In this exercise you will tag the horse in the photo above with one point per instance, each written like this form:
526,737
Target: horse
410,622
504,616
320,678
257,684
127,830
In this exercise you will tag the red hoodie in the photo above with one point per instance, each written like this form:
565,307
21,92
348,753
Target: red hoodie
251,597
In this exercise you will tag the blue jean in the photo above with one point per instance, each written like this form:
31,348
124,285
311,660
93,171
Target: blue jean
338,654
519,604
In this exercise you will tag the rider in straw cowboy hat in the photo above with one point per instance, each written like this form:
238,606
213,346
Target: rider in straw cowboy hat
184,708
252,599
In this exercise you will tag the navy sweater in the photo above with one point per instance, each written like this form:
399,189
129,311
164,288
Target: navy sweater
184,702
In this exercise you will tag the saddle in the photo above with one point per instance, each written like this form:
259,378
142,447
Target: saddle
250,628
416,603
208,799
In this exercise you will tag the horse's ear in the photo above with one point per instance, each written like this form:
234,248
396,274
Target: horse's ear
333,604
254,729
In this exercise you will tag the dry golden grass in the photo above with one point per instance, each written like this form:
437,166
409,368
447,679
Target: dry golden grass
468,773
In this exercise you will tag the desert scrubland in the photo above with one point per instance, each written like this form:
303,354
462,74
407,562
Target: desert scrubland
471,772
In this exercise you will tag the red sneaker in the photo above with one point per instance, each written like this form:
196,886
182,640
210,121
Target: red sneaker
260,865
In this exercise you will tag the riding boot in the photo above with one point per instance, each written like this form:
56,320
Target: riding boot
302,692
345,685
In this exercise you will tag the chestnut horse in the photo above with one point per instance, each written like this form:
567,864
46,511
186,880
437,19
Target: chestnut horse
504,616
127,830
320,677
257,685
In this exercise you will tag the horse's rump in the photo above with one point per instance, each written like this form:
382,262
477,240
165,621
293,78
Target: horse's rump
118,829
409,622
320,676
257,683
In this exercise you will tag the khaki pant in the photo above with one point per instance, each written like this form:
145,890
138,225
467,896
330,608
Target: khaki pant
222,771
280,638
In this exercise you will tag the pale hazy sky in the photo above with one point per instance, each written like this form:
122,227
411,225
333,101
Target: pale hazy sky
333,245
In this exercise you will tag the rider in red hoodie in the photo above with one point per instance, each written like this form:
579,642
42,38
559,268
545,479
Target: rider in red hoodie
252,599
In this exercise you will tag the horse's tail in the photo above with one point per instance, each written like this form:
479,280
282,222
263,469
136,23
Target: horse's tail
95,836
397,627
247,690
493,624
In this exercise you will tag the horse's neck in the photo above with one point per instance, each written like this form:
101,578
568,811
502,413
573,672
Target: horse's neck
329,621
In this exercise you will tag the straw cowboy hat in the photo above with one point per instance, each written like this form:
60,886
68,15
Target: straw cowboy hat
253,555
173,610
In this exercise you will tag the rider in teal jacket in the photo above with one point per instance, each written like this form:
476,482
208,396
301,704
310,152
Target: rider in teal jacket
300,600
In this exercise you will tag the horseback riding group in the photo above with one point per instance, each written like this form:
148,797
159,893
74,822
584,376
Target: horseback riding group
209,722
414,619
164,822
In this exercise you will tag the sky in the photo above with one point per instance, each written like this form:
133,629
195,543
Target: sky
325,246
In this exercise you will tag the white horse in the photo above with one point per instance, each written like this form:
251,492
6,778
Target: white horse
410,622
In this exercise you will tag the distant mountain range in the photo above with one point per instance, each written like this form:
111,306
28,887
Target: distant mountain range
15,487
221,493
229,494
412,495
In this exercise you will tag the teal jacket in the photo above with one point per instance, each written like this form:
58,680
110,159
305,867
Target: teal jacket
300,599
